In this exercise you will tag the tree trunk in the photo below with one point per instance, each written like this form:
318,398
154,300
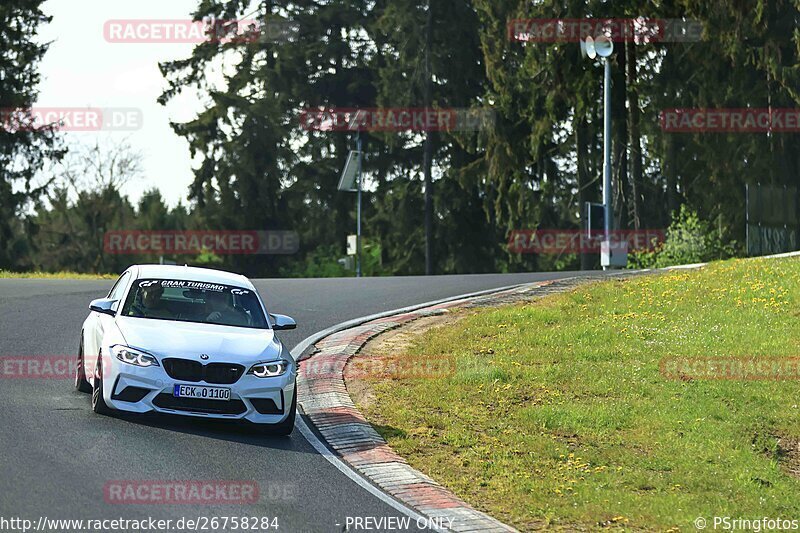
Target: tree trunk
619,170
634,138
428,150
670,170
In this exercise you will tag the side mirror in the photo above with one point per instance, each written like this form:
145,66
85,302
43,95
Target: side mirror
282,322
104,306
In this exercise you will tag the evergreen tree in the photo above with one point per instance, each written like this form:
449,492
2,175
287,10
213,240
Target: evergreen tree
25,146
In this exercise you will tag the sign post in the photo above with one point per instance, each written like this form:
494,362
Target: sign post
358,216
351,182
351,177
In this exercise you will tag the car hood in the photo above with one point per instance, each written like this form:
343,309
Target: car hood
169,338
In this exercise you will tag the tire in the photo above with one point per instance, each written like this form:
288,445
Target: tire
99,405
284,428
81,384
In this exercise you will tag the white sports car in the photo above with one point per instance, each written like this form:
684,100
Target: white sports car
188,341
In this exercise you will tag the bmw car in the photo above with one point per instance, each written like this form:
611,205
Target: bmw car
188,341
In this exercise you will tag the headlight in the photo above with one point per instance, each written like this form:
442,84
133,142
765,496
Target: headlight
270,369
132,356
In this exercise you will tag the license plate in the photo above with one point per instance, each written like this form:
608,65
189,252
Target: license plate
204,393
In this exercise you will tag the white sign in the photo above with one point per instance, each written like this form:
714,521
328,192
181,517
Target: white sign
614,253
352,244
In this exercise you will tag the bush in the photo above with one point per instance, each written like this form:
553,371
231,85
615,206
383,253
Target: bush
323,262
689,240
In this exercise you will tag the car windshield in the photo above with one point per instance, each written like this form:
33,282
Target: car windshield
194,301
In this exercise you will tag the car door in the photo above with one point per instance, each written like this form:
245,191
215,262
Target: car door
99,322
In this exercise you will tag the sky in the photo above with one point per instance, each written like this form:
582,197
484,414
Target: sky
82,69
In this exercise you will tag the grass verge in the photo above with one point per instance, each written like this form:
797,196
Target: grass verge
53,275
558,413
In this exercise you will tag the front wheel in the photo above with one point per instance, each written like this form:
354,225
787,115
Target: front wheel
81,384
99,405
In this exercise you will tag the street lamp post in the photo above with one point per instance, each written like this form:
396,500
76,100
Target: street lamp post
602,47
608,212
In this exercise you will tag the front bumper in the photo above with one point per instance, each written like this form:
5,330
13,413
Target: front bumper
144,390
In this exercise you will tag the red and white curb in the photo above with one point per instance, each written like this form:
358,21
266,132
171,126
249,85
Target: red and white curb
324,399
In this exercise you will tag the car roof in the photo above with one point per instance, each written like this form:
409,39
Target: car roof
188,273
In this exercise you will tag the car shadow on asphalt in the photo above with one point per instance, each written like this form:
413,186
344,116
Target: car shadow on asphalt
225,430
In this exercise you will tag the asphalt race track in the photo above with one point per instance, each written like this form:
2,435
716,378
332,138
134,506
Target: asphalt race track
56,456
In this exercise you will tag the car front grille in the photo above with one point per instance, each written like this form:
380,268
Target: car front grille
198,405
193,371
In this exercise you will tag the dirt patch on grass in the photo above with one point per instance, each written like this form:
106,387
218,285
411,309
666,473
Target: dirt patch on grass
789,455
384,351
783,449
